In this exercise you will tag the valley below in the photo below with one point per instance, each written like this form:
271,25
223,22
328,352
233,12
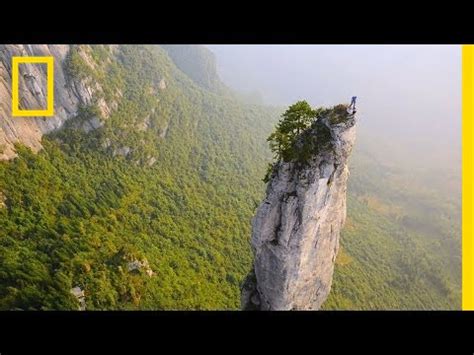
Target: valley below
139,194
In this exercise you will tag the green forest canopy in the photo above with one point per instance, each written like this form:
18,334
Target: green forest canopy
77,214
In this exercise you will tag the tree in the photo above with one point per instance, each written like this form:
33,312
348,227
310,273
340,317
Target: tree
294,121
296,118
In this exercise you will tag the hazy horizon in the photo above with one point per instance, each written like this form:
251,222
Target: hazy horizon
410,92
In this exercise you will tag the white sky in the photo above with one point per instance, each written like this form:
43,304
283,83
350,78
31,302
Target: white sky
408,91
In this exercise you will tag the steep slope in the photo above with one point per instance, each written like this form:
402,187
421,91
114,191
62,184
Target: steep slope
295,232
70,93
198,63
147,210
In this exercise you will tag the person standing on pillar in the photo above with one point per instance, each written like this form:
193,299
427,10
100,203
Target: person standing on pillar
352,106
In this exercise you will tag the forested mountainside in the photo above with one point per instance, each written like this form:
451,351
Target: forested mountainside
168,180
401,244
141,197
199,64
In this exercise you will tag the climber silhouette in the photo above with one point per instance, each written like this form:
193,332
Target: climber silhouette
352,106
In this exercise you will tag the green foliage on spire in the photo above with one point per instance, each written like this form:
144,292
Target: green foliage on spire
295,120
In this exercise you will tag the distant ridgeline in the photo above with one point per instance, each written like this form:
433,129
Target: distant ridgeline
139,192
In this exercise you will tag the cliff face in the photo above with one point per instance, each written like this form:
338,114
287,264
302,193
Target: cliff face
295,232
69,94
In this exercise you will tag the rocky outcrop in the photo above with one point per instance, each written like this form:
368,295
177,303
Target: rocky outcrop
80,296
162,84
140,265
295,232
122,151
69,94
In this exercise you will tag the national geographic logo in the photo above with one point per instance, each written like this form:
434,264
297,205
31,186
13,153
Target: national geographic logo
16,111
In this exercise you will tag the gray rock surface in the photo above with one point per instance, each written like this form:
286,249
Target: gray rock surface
151,161
122,151
68,95
137,265
162,84
80,296
295,232
92,124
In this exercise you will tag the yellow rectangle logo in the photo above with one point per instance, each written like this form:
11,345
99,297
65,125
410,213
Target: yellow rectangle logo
467,177
49,111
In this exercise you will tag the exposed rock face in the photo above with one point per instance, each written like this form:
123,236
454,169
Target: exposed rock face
137,265
295,232
69,93
162,84
92,124
80,296
122,151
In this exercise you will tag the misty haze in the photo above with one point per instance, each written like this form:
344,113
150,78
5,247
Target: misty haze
410,95
232,177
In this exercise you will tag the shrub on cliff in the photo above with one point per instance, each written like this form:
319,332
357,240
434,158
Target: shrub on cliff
294,121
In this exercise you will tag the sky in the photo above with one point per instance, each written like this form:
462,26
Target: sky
412,92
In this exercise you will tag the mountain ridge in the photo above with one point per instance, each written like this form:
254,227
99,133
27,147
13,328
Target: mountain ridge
142,186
